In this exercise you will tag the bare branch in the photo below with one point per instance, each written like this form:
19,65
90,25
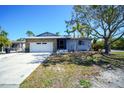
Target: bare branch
117,34
97,32
118,38
96,35
116,26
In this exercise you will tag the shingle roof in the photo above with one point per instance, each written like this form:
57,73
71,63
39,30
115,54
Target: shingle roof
46,34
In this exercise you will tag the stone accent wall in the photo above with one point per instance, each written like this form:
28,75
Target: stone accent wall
28,41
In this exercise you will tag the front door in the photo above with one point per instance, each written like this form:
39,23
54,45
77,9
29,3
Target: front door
61,44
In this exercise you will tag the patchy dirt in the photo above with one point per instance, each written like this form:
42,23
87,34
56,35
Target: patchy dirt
72,70
109,79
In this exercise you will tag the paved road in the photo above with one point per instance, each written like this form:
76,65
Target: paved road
15,67
117,50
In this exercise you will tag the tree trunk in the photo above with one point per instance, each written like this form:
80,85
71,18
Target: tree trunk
106,46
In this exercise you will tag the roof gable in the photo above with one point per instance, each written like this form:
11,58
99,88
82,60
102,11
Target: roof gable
46,34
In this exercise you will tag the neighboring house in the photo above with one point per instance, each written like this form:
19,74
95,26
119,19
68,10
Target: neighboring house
18,46
49,42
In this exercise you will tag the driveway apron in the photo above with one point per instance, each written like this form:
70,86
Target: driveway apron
15,68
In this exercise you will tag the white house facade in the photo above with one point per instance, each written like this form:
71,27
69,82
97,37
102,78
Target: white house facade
49,42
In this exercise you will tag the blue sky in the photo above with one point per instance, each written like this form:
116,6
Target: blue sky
16,20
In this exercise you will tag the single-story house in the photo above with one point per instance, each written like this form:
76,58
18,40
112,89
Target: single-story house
49,42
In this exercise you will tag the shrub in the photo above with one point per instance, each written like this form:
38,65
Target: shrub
119,44
85,83
98,46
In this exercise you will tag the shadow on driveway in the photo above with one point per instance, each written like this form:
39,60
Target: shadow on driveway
39,58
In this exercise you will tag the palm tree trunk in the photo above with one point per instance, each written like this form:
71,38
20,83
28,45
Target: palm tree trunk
74,34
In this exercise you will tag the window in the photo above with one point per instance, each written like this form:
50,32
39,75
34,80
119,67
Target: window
83,43
38,43
44,43
80,42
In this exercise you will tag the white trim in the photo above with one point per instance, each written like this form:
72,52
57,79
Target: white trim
47,37
56,37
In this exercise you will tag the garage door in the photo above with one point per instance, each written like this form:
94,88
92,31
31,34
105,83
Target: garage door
41,47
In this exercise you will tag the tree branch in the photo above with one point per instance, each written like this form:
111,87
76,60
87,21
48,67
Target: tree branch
96,35
118,38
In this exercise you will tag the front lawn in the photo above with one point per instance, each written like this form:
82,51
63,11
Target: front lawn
120,53
71,70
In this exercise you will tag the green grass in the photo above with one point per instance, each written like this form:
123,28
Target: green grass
120,53
85,83
115,59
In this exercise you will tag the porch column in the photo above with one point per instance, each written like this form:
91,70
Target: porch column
2,50
20,46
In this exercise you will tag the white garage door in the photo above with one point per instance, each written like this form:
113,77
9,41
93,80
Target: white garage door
41,47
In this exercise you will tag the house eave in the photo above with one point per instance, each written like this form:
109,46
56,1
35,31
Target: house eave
47,37
18,41
58,37
81,38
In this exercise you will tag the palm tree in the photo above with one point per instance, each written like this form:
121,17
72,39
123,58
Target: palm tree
57,33
3,33
86,30
29,33
68,32
77,28
4,41
82,29
20,39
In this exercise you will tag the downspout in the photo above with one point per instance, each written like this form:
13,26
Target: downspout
75,45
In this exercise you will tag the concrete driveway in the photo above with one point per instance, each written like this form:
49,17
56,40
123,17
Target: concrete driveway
15,67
